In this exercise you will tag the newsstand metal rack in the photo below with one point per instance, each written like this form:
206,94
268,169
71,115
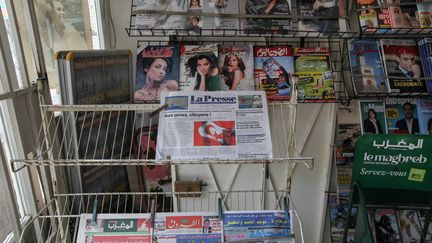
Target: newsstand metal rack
62,211
60,216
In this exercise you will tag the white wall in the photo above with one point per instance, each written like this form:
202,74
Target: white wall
308,186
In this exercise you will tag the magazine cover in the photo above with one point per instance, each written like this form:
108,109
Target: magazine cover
315,78
424,113
346,137
236,67
157,71
401,116
199,68
368,18
267,25
372,117
405,16
157,178
366,67
411,228
387,226
384,19
402,65
156,21
425,14
218,24
337,219
361,3
425,48
327,9
273,69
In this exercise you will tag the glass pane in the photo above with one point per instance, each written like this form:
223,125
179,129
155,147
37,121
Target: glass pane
5,225
7,139
19,83
64,25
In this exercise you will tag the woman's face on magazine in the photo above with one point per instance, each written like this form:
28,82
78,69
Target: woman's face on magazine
233,62
157,70
203,66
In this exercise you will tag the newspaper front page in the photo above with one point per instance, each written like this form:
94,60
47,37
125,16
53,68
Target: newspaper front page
214,125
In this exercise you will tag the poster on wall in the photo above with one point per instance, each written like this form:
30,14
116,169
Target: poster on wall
214,125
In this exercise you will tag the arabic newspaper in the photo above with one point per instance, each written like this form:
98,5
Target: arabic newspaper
243,225
110,228
214,125
187,227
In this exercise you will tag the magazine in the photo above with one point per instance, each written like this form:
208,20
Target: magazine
221,25
368,18
346,137
424,113
267,25
366,67
96,77
274,67
362,3
199,68
154,22
410,225
110,228
401,116
214,125
157,71
425,48
244,225
327,9
315,78
402,65
425,14
387,225
404,16
384,20
236,67
373,117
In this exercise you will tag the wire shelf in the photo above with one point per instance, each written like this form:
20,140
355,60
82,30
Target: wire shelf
97,135
396,32
140,32
62,225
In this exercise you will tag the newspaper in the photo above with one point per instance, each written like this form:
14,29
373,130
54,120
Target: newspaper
258,225
111,228
214,125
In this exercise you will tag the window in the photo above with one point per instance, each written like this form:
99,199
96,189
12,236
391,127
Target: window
65,25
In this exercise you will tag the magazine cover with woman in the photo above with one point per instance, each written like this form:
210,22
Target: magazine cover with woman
199,68
156,72
372,117
273,69
236,67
